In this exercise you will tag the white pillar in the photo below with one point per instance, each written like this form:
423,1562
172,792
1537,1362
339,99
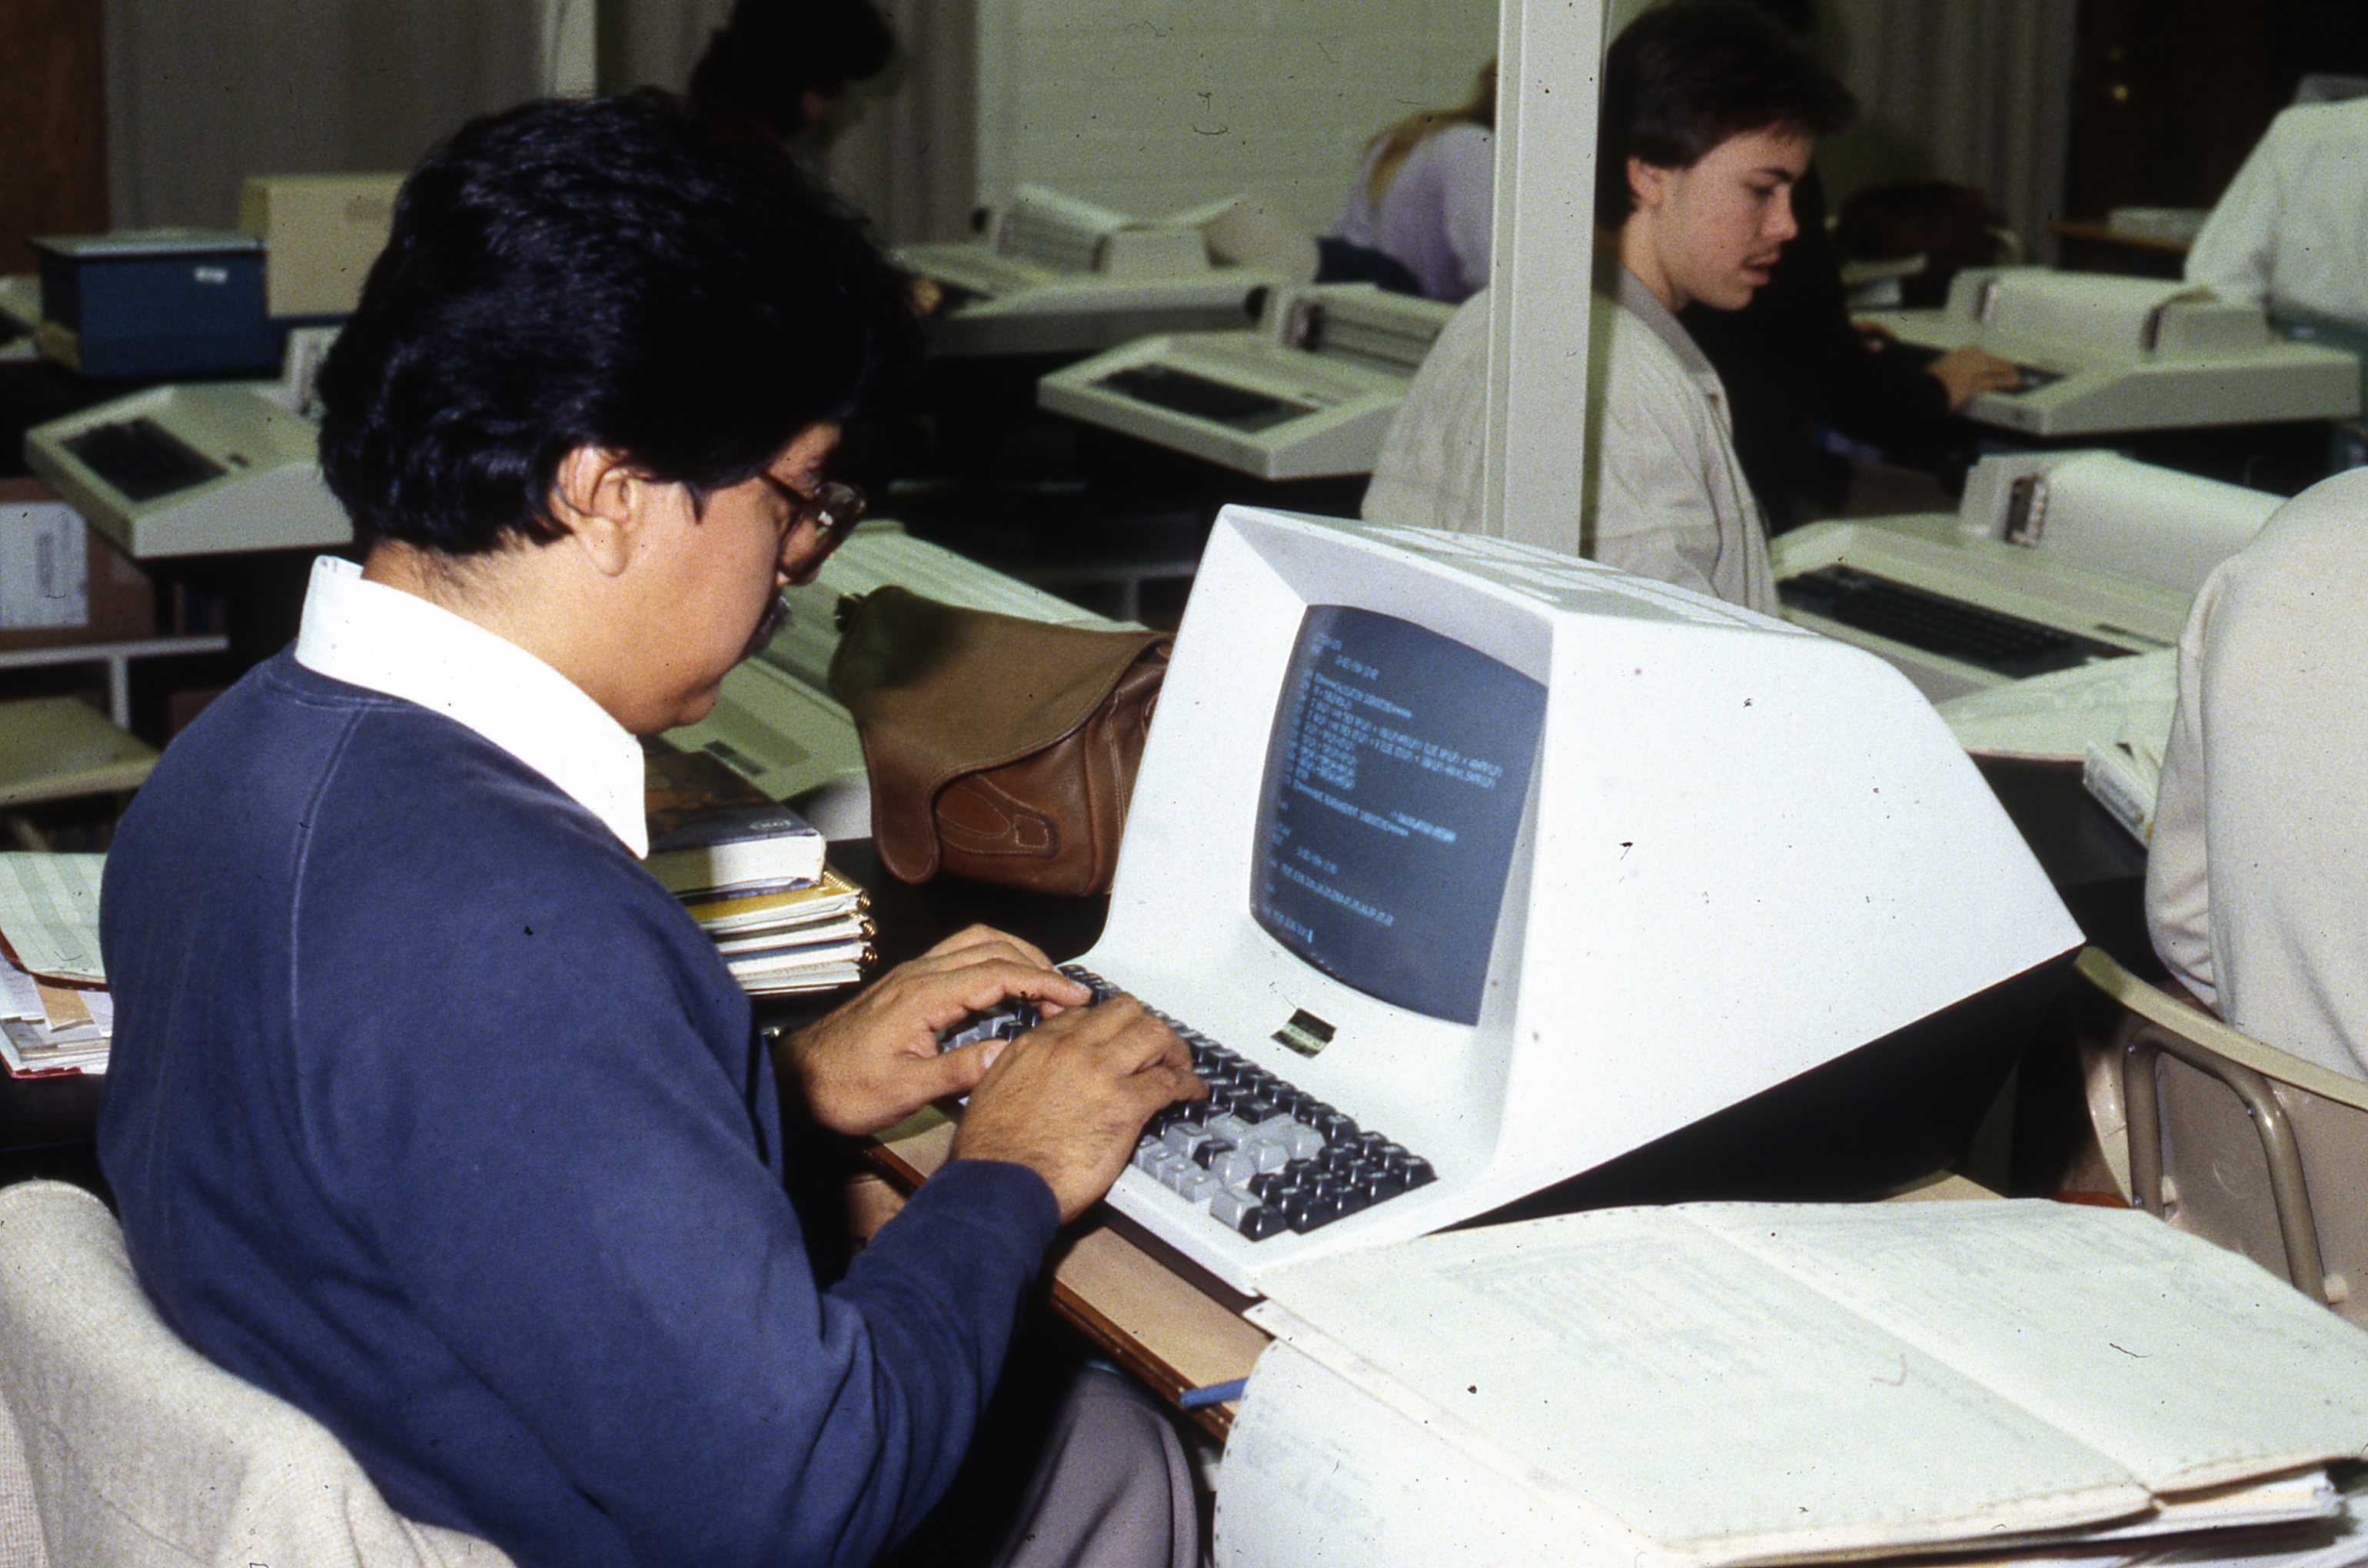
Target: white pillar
1549,72
567,40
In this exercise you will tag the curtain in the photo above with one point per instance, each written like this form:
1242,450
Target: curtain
903,148
1975,92
200,96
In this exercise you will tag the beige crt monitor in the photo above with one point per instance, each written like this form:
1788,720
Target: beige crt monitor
1055,275
320,235
2104,354
1308,395
1527,867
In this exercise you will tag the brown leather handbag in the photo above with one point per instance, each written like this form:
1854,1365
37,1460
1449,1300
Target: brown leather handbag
999,748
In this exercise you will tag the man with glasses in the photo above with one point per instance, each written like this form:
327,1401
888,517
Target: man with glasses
430,1110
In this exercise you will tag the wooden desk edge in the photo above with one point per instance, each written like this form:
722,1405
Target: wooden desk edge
1146,1317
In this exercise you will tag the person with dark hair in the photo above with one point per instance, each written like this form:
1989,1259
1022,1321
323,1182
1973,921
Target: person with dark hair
431,1111
1792,356
1709,115
777,68
1425,196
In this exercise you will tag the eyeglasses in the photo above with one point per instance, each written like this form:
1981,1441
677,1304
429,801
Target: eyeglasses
831,513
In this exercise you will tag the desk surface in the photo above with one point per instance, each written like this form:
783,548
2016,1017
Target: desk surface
1170,1325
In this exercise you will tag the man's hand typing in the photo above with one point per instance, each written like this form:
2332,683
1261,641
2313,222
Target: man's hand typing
875,1060
1068,1098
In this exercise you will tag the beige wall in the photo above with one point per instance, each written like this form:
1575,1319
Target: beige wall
1151,106
200,96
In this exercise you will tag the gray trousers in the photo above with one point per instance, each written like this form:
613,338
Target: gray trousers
1084,1473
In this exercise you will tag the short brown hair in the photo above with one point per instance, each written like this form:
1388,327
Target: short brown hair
1686,76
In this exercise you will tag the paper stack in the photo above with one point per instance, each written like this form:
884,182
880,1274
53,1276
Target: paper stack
808,939
751,873
55,1013
1744,1386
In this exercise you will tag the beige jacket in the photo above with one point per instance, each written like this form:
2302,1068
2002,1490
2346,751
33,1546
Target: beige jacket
1668,500
2257,878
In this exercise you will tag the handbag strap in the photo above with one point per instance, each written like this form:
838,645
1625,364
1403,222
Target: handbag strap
938,691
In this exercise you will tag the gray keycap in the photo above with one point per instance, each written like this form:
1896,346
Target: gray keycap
1229,1126
1191,1182
1229,1205
1271,1153
1234,1167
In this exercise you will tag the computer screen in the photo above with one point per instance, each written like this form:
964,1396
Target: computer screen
1528,870
1396,775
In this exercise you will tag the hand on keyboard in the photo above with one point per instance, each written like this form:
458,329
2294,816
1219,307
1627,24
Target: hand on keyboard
875,1060
1069,1097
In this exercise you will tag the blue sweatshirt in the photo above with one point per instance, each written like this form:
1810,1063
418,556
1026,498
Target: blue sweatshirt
431,1112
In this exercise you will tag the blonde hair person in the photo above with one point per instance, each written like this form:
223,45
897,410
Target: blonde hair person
1425,193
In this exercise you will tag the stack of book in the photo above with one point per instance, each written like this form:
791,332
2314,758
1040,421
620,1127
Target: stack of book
806,939
55,1013
751,873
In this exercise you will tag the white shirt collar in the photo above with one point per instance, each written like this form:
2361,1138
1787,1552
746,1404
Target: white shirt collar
384,640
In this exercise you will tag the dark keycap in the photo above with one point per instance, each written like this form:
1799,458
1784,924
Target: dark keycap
1315,1212
1332,1124
1261,1222
1356,1168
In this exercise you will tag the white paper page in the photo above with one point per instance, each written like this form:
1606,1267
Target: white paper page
48,909
2342,1542
2190,1365
1696,1395
19,997
1074,212
842,908
818,933
2057,717
1308,1482
824,956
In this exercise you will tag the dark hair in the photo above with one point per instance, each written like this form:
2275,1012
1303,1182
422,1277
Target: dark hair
595,272
772,53
1687,75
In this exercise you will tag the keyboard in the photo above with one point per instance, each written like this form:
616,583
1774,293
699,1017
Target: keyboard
1201,398
1969,634
141,459
1259,1156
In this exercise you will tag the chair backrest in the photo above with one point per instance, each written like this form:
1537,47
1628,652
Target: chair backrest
2238,1141
140,1453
